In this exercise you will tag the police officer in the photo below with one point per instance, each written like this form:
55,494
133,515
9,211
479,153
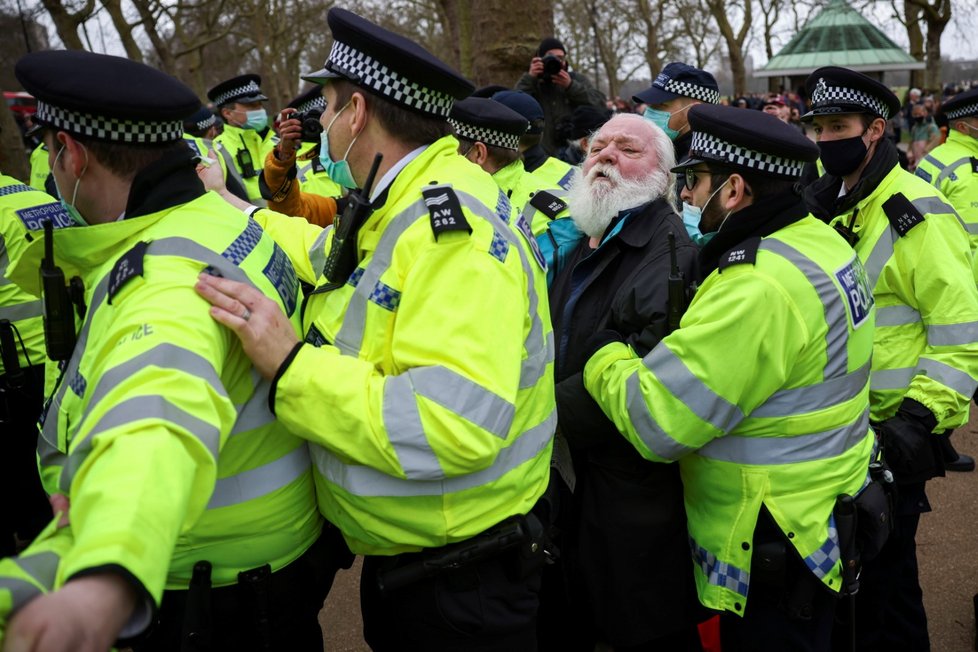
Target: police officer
426,379
952,167
189,503
763,451
199,131
22,210
925,351
247,137
555,172
489,134
294,165
40,170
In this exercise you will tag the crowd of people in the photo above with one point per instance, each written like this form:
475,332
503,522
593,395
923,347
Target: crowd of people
658,374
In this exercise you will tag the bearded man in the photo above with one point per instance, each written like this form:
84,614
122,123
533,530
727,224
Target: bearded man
630,566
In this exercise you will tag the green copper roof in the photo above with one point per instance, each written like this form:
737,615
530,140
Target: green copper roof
838,36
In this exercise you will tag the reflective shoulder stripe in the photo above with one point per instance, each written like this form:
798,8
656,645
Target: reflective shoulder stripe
810,398
763,451
933,161
720,573
952,334
21,311
317,253
950,169
881,253
367,482
262,480
933,205
837,331
823,560
896,316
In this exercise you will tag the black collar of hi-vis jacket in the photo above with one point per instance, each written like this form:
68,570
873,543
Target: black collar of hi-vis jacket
165,183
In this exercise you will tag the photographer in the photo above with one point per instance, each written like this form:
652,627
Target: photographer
556,88
294,180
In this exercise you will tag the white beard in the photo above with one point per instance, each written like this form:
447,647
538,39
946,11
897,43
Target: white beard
596,198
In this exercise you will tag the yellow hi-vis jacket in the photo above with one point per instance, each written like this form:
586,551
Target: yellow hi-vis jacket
531,196
762,396
919,263
40,169
232,141
429,393
168,450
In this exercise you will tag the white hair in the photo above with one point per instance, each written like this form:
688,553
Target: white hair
592,208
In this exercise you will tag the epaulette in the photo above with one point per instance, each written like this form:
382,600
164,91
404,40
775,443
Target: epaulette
548,204
129,266
446,210
974,165
901,212
743,253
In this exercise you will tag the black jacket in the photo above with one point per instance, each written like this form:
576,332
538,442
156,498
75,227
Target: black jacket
634,555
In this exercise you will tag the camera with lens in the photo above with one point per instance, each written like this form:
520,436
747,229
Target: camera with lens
551,66
311,127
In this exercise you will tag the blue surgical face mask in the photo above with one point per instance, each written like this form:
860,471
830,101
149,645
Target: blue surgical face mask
661,120
257,120
693,215
338,171
70,207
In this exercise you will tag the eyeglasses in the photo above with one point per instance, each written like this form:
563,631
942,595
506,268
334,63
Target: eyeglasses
689,177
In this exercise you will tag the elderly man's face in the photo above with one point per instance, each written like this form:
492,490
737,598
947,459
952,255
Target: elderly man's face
622,144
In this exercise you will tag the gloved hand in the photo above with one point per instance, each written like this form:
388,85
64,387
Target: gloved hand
601,339
909,445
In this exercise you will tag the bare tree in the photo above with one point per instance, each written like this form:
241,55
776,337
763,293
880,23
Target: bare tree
67,20
936,15
735,38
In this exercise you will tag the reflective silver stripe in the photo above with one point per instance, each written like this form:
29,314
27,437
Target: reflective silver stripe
948,376
134,410
317,254
880,255
232,169
933,161
952,334
828,393
837,324
260,481
936,206
4,262
464,397
349,339
948,170
684,385
42,567
22,310
648,429
254,413
762,451
21,592
896,316
402,421
367,482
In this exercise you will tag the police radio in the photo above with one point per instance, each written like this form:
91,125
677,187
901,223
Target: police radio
59,322
845,230
246,164
342,258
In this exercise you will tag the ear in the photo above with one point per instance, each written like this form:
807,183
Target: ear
876,129
740,194
479,153
74,159
583,143
358,114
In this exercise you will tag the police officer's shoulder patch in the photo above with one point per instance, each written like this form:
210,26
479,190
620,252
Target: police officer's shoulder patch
743,253
445,209
548,204
974,165
901,212
128,267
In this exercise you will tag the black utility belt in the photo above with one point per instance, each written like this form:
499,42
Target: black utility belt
524,534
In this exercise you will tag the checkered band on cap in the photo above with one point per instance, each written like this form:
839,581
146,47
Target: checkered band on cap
207,122
485,135
251,88
378,77
963,111
829,95
105,128
687,89
315,104
712,148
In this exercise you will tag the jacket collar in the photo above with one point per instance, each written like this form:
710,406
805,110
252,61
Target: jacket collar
964,140
508,178
534,157
168,182
822,196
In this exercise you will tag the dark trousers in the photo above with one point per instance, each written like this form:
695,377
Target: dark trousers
487,606
890,612
282,614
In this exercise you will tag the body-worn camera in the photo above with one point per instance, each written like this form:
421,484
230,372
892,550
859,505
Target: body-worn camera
311,127
551,66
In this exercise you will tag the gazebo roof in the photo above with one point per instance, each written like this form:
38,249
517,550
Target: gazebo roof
838,36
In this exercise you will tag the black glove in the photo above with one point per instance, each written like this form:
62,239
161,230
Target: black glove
910,447
600,339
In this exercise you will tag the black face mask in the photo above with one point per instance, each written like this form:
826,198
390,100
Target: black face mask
842,157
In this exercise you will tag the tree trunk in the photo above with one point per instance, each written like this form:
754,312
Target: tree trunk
66,23
735,42
915,37
114,8
13,158
503,37
932,80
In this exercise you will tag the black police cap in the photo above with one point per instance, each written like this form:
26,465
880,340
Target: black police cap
394,67
79,92
243,88
748,140
488,121
311,100
202,120
680,80
835,90
963,105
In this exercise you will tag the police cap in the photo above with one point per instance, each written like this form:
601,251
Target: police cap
747,140
393,67
525,105
835,90
78,92
243,88
963,105
311,100
200,121
681,80
488,121
489,91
